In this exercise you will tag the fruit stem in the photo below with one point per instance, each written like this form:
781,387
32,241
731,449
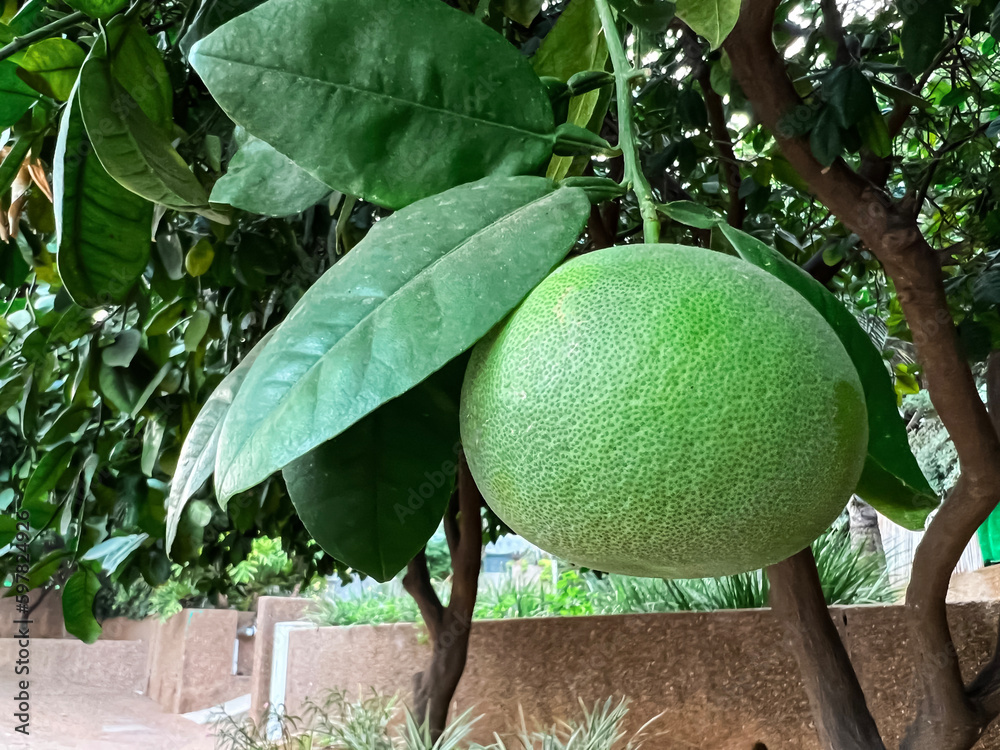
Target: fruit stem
625,75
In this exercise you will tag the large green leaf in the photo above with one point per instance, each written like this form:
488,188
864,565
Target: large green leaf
264,181
103,231
78,603
197,458
712,19
51,67
373,496
134,149
891,481
138,66
923,35
576,43
416,97
15,95
421,288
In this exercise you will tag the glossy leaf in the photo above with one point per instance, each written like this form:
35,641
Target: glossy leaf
47,474
421,288
475,109
51,67
133,149
712,19
891,481
264,181
372,496
78,603
197,458
138,66
690,214
103,231
111,553
15,95
576,43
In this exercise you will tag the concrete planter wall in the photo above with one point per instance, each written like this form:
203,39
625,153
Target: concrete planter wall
723,680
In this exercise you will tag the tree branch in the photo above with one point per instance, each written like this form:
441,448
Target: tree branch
833,28
947,718
843,721
417,583
467,558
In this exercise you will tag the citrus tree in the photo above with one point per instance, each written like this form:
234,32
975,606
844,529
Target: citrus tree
389,181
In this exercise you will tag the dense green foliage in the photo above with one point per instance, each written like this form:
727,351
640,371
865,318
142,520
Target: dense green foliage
849,575
147,245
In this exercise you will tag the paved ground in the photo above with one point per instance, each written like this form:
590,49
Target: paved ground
68,717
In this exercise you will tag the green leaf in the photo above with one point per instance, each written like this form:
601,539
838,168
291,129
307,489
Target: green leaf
111,553
29,17
712,19
98,8
197,458
152,442
78,603
103,231
47,474
825,139
690,214
653,16
15,95
196,329
900,95
576,43
923,35
875,134
422,287
138,66
133,149
849,93
210,16
51,67
120,353
372,496
42,571
266,182
521,11
475,109
891,481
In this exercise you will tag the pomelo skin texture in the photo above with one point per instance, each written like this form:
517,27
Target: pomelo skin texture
664,411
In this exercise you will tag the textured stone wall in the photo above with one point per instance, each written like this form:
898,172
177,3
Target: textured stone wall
722,680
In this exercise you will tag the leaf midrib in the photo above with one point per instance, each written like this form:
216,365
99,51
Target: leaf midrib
548,135
255,430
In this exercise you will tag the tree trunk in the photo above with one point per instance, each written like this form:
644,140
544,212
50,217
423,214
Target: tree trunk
449,627
843,721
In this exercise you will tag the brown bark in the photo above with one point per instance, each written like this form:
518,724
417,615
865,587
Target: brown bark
449,627
949,716
843,721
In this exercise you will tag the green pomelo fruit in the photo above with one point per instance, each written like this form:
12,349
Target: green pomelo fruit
666,411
